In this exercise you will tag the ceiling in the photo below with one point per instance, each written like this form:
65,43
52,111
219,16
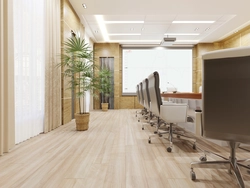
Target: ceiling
156,20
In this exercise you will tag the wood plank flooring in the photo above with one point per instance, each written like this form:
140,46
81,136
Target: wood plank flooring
113,153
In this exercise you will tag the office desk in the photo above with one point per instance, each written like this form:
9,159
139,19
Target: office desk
182,95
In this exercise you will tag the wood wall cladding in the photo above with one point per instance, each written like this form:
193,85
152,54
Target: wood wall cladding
69,21
115,50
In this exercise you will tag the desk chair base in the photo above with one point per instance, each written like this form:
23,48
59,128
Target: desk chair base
150,120
170,137
231,164
144,114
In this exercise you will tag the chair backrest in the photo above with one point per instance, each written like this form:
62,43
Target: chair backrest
226,95
154,93
146,94
174,113
137,93
141,94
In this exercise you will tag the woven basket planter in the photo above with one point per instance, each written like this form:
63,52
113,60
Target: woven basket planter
82,121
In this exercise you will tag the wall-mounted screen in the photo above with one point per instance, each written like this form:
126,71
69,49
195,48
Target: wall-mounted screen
173,65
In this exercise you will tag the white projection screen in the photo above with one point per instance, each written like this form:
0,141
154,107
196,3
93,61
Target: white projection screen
173,65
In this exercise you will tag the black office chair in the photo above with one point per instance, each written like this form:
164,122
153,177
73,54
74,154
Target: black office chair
226,107
170,113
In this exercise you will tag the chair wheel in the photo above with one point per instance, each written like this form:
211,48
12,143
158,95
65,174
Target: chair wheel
192,175
160,135
142,128
155,132
178,136
136,115
149,141
138,120
203,158
194,146
169,149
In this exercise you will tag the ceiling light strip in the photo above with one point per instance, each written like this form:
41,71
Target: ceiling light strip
122,34
139,41
193,21
191,34
122,22
102,27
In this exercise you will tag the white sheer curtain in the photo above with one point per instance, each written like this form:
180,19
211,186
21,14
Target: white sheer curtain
52,72
29,68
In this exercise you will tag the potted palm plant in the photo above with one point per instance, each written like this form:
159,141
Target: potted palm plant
106,88
77,62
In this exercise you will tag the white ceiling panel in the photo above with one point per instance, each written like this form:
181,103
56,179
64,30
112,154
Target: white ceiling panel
156,28
197,17
124,28
158,17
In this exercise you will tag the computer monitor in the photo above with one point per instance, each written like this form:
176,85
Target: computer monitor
226,94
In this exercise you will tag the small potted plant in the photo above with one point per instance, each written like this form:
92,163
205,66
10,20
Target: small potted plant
106,88
77,62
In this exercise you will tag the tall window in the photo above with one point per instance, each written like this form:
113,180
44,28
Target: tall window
29,68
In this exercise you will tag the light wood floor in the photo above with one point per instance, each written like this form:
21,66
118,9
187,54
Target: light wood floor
113,153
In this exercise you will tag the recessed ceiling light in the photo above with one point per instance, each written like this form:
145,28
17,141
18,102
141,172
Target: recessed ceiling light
131,29
193,21
142,28
120,34
84,5
182,34
207,29
119,22
196,29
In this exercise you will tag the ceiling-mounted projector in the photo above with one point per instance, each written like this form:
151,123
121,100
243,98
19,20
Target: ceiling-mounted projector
168,41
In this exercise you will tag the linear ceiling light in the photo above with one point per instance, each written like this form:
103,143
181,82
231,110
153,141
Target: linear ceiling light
138,41
182,34
187,41
122,22
120,34
193,21
102,27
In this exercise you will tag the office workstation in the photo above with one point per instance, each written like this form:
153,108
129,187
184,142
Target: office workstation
173,101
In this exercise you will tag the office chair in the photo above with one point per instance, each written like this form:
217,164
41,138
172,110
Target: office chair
171,113
141,99
149,115
138,97
226,107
